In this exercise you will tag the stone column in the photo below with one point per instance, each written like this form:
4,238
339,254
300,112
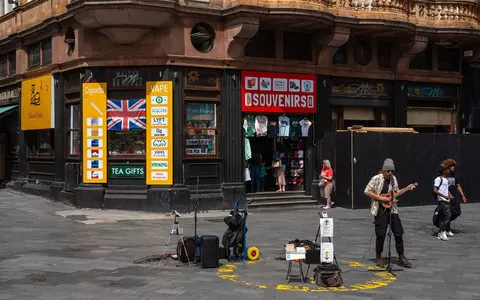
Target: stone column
59,137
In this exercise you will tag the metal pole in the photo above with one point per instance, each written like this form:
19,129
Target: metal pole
351,163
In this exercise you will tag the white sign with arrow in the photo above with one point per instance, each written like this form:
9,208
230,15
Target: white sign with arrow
327,253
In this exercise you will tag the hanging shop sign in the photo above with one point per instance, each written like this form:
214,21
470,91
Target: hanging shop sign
94,112
278,92
9,96
159,133
37,106
123,171
360,89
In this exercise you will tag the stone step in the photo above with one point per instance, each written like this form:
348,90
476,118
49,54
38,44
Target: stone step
261,194
280,198
125,201
270,205
110,191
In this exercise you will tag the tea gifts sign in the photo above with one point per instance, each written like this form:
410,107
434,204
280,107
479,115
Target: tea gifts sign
94,111
37,107
159,133
278,92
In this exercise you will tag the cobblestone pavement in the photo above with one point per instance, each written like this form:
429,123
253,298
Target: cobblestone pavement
44,255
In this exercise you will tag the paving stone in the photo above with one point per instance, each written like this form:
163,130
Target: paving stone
45,255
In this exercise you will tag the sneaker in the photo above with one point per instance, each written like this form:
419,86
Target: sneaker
449,233
327,207
443,236
333,203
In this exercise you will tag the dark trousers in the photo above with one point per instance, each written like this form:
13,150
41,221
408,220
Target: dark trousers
446,215
382,220
262,183
255,175
455,208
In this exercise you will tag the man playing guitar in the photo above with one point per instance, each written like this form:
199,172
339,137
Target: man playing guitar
383,188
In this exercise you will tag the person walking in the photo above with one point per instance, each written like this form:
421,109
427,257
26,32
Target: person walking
326,177
440,188
454,188
279,165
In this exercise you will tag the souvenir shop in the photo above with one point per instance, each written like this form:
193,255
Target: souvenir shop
277,118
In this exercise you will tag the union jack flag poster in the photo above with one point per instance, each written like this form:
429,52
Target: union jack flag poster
126,114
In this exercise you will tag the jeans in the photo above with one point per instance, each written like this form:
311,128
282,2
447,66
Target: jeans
255,172
382,221
444,223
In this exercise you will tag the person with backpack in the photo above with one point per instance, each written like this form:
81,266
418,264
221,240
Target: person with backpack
440,189
454,187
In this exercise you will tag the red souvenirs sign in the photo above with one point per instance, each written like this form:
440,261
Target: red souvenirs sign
278,92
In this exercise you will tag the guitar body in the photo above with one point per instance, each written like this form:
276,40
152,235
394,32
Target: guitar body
388,204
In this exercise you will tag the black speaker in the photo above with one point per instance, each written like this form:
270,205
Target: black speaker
312,257
209,251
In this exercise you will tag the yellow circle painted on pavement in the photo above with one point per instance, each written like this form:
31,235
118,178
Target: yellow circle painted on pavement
383,278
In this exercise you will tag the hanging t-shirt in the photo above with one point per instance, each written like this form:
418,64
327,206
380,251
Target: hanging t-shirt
305,123
284,126
248,149
272,129
250,131
261,123
295,129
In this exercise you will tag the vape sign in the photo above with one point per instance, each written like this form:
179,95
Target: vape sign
278,92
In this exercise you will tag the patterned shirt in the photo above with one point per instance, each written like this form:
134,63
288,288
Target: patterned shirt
375,186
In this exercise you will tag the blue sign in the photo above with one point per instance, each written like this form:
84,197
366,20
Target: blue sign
430,92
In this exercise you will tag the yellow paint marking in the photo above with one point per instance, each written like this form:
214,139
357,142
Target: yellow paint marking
384,278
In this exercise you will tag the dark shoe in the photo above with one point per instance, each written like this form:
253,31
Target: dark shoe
403,261
379,261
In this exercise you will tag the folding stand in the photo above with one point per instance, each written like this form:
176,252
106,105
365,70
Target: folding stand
178,231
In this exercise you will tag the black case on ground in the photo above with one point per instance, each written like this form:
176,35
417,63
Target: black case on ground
190,245
209,251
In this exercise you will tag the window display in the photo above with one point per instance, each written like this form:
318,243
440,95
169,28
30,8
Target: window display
40,142
74,126
295,164
130,142
284,125
201,129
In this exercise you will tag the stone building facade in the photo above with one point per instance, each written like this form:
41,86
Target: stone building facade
375,63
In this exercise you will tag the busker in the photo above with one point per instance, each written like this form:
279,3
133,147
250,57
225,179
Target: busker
453,187
383,188
440,188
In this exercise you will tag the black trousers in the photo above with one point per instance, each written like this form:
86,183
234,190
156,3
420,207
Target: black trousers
445,211
382,220
455,208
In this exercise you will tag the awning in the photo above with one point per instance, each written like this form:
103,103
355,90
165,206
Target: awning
6,110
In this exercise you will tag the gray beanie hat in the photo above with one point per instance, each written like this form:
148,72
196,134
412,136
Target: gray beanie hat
388,165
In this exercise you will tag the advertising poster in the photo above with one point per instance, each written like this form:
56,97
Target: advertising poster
159,133
37,106
94,112
278,92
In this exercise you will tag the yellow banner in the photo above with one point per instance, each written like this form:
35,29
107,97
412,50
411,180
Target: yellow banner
159,133
37,107
94,110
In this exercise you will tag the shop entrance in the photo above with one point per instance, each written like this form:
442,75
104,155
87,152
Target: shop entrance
283,137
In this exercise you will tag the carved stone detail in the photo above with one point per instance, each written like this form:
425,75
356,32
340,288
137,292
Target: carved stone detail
329,44
418,45
238,33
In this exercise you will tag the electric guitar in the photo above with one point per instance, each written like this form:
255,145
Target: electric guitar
391,195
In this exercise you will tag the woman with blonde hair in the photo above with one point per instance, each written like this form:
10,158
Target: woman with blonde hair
326,177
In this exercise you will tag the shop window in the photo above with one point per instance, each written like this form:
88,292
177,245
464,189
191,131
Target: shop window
40,142
263,44
126,143
74,127
40,54
423,60
340,57
201,131
297,46
13,130
449,59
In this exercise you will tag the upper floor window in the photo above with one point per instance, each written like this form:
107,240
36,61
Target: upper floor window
423,60
262,44
297,46
40,53
449,59
8,64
